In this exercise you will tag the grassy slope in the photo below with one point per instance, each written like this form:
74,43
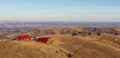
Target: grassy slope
59,46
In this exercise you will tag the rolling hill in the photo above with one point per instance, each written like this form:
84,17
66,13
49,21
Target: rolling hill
63,44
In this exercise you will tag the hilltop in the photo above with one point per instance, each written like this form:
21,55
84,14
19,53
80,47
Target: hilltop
65,42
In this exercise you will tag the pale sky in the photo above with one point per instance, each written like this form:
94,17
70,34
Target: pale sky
60,10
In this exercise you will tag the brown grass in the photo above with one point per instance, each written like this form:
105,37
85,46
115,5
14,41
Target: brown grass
63,45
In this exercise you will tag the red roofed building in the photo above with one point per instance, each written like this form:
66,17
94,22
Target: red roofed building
42,40
22,37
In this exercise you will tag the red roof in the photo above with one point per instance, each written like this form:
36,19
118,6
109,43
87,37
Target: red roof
42,39
23,37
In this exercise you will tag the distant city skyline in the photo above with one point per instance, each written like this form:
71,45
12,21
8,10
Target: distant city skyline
60,10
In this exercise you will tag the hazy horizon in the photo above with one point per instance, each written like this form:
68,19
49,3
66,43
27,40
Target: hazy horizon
60,10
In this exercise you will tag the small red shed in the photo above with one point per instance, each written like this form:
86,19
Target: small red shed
23,37
42,40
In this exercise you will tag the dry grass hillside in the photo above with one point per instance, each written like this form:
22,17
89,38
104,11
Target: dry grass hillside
63,44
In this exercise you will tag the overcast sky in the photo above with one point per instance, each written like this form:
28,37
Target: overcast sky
60,10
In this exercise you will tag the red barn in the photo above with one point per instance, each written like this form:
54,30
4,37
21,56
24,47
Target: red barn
42,40
22,37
